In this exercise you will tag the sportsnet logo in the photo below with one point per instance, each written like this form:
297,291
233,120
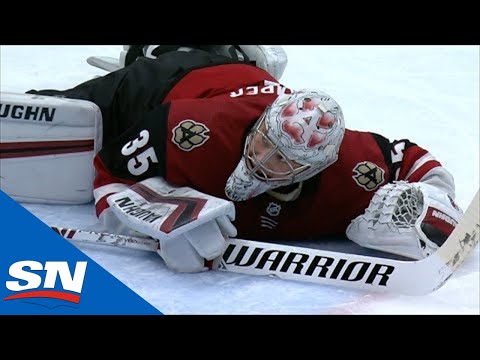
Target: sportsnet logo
41,273
33,280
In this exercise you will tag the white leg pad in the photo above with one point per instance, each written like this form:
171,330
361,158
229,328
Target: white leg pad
47,146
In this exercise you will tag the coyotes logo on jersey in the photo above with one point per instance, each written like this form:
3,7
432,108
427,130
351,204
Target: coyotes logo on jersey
190,134
368,175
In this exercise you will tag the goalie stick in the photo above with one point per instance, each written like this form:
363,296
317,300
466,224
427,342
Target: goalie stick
326,267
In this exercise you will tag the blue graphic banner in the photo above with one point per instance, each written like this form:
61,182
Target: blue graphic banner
41,273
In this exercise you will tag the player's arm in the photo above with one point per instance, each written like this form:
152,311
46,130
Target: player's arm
191,226
415,213
136,154
409,162
132,198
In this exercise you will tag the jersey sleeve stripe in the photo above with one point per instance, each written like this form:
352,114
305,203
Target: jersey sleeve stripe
102,191
420,171
419,163
102,205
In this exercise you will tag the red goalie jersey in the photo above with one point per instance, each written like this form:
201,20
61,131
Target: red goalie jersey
191,131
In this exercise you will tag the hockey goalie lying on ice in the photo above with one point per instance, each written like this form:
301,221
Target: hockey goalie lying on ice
193,144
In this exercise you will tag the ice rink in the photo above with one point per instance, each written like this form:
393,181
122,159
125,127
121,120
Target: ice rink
428,94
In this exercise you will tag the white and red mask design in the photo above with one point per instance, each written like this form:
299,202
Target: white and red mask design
305,123
306,127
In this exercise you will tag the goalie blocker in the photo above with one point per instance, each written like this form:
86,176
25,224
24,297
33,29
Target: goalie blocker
191,226
47,146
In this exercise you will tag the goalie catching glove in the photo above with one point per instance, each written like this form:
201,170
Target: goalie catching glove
408,219
190,226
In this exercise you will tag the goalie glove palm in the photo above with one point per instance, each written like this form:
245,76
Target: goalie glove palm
407,219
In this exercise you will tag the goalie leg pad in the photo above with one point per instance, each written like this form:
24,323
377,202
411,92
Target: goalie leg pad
271,58
47,146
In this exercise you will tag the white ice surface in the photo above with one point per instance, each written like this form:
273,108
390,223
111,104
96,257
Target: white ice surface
429,94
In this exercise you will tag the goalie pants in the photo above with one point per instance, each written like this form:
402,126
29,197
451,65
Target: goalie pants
139,87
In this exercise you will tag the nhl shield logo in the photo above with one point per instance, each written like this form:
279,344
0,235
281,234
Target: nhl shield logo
274,209
189,134
368,175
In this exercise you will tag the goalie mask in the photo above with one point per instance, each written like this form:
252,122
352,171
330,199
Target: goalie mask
296,137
